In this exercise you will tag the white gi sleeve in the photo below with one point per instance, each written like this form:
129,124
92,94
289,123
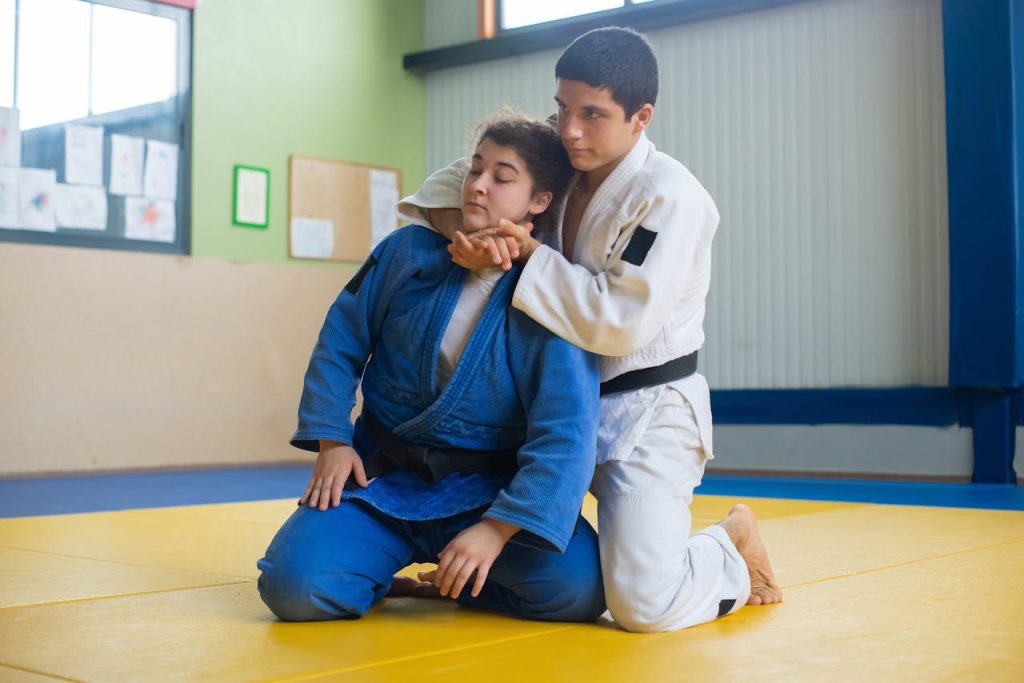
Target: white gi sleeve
442,190
661,256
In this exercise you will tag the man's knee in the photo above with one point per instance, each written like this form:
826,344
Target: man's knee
296,596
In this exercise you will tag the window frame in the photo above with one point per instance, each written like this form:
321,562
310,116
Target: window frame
182,243
496,29
557,34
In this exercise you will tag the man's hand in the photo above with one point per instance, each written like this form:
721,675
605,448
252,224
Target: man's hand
473,550
526,244
483,249
498,246
333,466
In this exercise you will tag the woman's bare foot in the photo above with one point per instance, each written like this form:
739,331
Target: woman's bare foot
408,587
741,525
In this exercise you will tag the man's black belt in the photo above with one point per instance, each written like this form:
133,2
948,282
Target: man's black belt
652,377
429,463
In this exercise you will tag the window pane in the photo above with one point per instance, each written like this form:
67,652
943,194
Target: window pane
134,59
53,61
6,53
516,13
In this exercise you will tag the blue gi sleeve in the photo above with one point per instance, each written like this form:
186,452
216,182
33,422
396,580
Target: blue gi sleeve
558,385
346,341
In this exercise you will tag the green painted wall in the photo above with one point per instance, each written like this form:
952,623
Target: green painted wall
316,77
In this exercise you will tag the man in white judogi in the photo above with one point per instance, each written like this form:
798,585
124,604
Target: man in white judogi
627,278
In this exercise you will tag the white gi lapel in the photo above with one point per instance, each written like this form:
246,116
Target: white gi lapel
602,206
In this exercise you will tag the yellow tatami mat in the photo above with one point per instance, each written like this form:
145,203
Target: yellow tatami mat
873,592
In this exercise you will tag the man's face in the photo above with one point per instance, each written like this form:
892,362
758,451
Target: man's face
594,127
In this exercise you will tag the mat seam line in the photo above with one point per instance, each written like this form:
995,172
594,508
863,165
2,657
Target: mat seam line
903,564
396,660
41,673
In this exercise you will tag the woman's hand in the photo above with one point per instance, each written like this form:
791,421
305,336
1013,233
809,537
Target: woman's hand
473,550
333,466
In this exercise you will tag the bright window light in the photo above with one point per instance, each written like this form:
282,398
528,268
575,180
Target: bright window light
6,53
518,13
134,59
53,62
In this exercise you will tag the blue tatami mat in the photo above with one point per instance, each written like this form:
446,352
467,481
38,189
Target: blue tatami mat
93,493
96,492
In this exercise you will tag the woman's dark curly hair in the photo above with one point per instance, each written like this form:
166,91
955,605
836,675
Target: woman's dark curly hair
537,143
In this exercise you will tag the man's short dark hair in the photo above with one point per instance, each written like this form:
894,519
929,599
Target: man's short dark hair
616,58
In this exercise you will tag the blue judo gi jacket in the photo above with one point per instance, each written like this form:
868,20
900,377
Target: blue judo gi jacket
516,386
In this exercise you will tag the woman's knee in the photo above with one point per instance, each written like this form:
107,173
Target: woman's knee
296,595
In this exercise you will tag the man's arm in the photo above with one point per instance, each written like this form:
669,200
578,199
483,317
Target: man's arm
438,199
659,258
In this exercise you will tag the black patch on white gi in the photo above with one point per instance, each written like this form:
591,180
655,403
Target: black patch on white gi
724,606
357,281
639,244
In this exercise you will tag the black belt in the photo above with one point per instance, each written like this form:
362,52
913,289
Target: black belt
429,463
652,377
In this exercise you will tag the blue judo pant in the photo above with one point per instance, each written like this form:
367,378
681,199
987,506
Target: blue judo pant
340,562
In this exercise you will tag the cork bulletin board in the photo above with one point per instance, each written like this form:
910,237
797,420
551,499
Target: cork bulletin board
339,210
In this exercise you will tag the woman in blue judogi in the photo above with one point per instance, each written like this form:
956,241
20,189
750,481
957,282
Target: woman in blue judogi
476,441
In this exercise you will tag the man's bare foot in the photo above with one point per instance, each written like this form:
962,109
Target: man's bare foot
741,525
408,587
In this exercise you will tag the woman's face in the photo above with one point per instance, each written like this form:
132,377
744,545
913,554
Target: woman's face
498,186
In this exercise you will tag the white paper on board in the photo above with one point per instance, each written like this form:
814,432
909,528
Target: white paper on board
383,205
83,154
149,219
10,138
126,159
252,196
9,197
312,238
82,208
161,178
36,189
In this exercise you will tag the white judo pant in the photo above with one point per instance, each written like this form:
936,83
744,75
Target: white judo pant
652,447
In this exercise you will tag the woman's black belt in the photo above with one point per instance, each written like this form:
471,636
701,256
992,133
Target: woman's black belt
429,463
652,377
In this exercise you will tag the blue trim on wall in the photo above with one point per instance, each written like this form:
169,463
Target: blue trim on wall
983,43
921,406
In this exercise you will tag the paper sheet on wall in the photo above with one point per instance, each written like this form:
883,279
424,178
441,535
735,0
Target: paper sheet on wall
383,205
312,238
8,197
149,219
10,138
126,159
36,189
81,207
161,178
252,197
83,154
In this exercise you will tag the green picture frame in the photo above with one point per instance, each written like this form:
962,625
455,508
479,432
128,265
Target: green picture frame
250,197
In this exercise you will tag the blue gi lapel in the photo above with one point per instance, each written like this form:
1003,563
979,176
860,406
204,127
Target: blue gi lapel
480,342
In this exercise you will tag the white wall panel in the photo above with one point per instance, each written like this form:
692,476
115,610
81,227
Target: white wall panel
819,128
867,450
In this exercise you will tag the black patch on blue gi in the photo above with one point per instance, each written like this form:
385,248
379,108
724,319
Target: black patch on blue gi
357,281
724,606
639,244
